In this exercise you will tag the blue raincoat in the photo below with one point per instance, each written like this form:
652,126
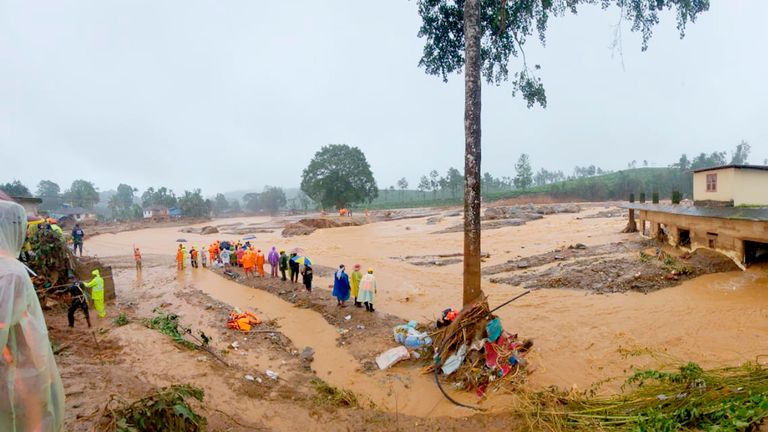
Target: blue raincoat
341,285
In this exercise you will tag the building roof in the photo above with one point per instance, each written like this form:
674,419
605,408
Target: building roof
757,214
29,200
752,167
72,211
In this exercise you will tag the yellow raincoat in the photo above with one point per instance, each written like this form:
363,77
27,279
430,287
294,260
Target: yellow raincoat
97,294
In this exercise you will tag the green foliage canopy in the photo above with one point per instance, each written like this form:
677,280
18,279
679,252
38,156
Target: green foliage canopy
82,193
339,175
15,189
507,25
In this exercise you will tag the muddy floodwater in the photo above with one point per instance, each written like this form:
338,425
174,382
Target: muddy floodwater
580,338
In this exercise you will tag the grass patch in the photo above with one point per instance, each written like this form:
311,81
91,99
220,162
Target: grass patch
167,410
687,398
332,396
121,320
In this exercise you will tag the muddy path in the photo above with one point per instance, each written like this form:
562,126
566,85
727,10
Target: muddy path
130,361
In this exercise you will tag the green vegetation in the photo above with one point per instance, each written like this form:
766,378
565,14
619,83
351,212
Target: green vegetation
270,201
168,324
121,320
16,189
168,410
333,396
337,176
726,399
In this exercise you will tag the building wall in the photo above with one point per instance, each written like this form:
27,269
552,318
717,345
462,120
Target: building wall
727,235
725,185
750,187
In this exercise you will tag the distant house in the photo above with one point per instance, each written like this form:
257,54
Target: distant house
75,214
30,204
175,213
156,212
729,215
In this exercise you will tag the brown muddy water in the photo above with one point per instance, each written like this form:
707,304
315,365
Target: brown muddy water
580,338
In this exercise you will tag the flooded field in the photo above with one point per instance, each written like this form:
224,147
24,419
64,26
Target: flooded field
580,338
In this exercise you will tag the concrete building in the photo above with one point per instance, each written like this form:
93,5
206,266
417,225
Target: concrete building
156,212
30,204
731,185
729,215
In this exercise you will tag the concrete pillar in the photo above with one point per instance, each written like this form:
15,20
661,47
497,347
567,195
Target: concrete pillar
673,235
655,230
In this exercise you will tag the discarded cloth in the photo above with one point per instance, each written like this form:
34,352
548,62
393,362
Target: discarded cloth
242,321
407,335
494,329
454,361
391,356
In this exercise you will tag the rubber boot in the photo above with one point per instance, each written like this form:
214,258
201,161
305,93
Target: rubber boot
357,303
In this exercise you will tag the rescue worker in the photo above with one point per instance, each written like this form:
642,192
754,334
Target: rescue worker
97,293
260,263
180,258
283,264
249,262
32,398
368,290
137,258
354,282
77,239
274,260
212,252
79,301
193,257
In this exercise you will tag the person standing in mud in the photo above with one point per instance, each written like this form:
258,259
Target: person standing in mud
224,256
260,263
283,264
294,268
354,281
193,257
77,239
180,258
97,293
307,277
274,259
204,256
368,290
137,258
79,301
341,286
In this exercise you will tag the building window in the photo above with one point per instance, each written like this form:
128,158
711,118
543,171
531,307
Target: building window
711,182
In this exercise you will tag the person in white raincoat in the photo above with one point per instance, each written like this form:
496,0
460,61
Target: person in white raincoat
367,292
31,394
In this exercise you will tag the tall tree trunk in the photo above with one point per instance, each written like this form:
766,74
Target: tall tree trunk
472,151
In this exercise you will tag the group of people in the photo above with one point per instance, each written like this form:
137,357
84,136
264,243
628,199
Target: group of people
230,254
357,285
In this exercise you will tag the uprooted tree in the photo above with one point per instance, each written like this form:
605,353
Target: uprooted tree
480,36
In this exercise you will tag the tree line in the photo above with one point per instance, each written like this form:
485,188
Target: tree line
125,203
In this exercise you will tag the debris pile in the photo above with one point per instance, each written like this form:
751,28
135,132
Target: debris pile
477,353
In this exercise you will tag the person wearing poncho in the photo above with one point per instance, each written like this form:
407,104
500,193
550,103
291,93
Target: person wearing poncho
368,290
97,293
354,280
32,396
341,286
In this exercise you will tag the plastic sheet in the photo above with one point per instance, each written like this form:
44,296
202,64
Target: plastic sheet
32,396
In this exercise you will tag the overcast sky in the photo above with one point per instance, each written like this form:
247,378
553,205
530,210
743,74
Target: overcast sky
226,95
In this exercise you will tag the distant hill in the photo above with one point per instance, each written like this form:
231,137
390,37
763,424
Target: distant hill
613,186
